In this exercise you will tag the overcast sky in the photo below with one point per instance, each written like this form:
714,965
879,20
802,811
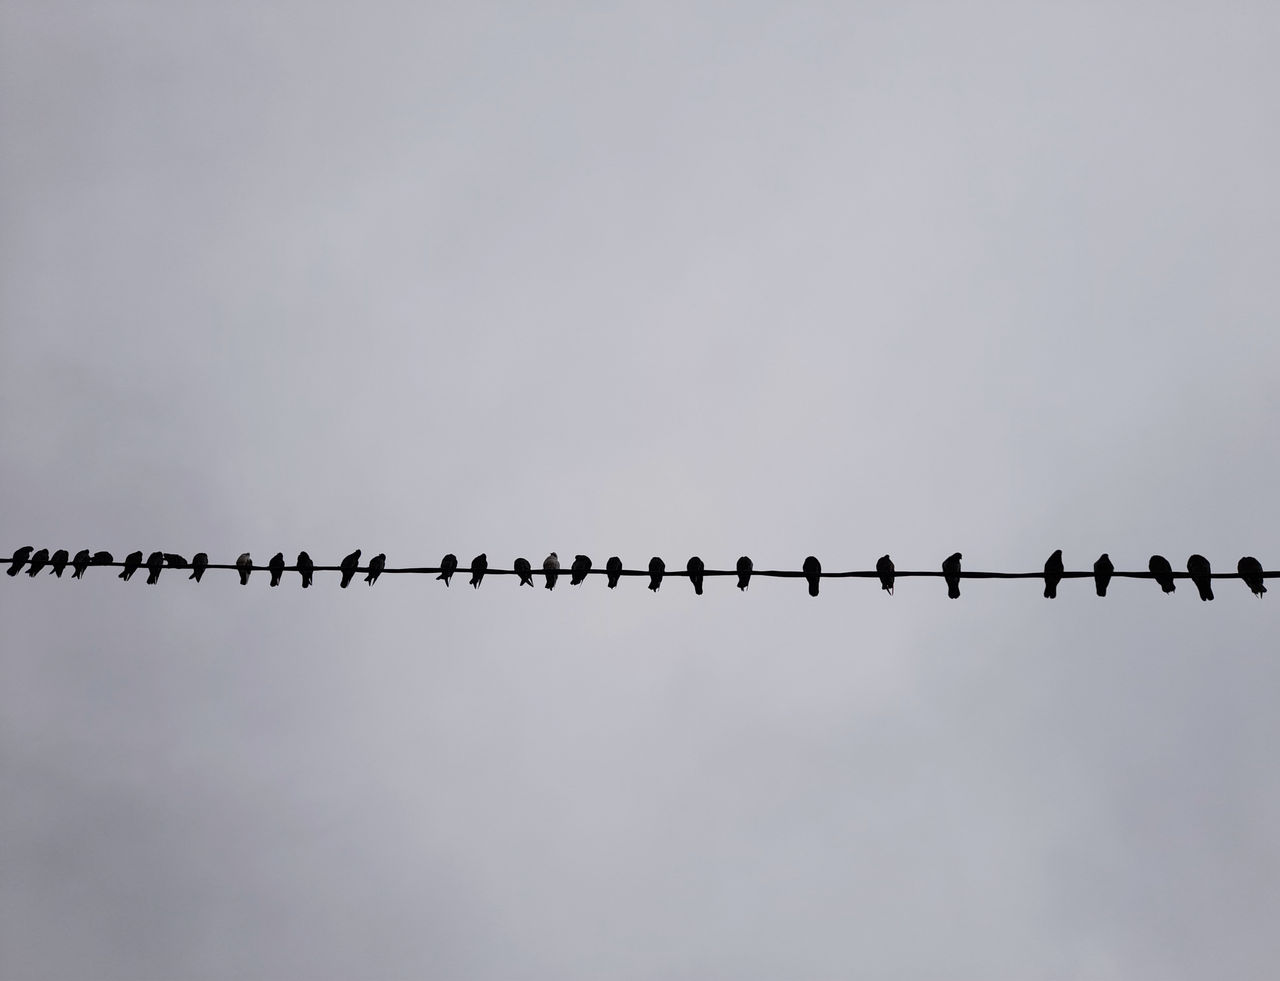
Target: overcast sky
639,279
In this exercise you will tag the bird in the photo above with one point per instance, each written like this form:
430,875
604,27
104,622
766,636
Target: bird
613,569
812,572
1250,570
276,565
1052,574
19,559
59,561
951,572
38,562
80,563
695,567
101,558
479,566
155,562
349,565
656,568
376,565
132,563
174,561
306,569
525,571
551,569
1162,571
244,566
1198,567
744,572
448,566
1102,570
884,568
199,562
578,571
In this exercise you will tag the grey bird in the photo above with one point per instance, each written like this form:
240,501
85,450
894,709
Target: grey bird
1250,570
578,571
199,562
551,569
525,571
1102,571
132,563
884,569
1160,568
349,565
59,561
656,570
174,561
80,563
1052,574
155,562
306,569
1198,567
102,558
695,569
613,569
744,572
376,565
951,572
244,566
479,566
19,559
276,568
813,573
448,566
38,562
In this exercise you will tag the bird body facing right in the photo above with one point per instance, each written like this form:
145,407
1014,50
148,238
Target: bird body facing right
812,572
376,565
244,566
199,562
155,562
19,559
884,569
951,572
479,566
525,571
38,562
745,567
80,563
1160,568
1201,575
59,561
1052,574
695,568
578,571
174,561
448,566
1102,571
656,570
551,569
348,566
613,570
276,567
132,563
1250,570
306,569
101,558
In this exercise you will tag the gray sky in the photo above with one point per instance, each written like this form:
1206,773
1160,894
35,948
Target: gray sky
840,279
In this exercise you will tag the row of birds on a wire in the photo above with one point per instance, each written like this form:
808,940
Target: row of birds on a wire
1249,569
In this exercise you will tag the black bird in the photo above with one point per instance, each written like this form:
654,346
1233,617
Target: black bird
1052,574
199,562
695,567
656,569
101,558
155,562
951,572
1162,571
132,563
613,569
376,565
1198,566
1102,570
812,572
884,568
59,561
578,571
525,571
479,566
744,572
349,565
80,563
19,559
38,562
174,561
448,566
1250,570
276,567
244,566
551,569
306,569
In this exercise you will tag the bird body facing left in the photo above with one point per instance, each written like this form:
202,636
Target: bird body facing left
448,566
19,559
132,563
479,566
376,565
884,569
551,569
155,562
38,562
59,561
613,569
525,571
1162,572
951,572
276,567
199,562
1052,574
813,573
348,566
80,563
578,571
1201,573
1250,570
695,568
244,566
744,567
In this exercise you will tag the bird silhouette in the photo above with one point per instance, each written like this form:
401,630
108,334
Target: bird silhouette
132,563
1198,567
306,569
59,561
884,569
578,571
19,559
951,572
101,558
744,572
695,569
80,563
613,569
812,572
349,565
244,566
376,565
199,562
551,569
525,571
656,569
448,566
1052,574
479,566
1250,570
1102,570
155,562
174,561
38,562
276,567
1162,571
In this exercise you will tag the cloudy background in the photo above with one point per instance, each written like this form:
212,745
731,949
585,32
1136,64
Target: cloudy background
637,279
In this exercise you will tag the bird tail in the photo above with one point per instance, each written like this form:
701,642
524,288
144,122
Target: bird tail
953,590
1050,590
813,588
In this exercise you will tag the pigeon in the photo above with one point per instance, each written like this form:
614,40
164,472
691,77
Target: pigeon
1102,570
613,569
884,568
1162,571
1250,570
813,573
80,563
155,562
276,566
951,572
59,561
38,562
744,572
656,568
479,566
19,559
551,569
174,561
306,569
132,563
578,571
101,558
376,565
244,566
1198,566
525,571
1052,574
349,565
694,567
448,566
199,562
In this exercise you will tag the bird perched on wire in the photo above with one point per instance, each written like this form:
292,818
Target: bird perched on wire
656,570
813,573
155,562
613,570
525,571
951,572
884,569
38,562
132,563
80,563
1102,571
376,565
448,566
174,561
1160,568
276,567
695,569
101,558
578,571
1250,570
1052,574
244,566
19,559
1201,573
744,568
199,562
58,561
349,565
551,569
306,569
479,566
